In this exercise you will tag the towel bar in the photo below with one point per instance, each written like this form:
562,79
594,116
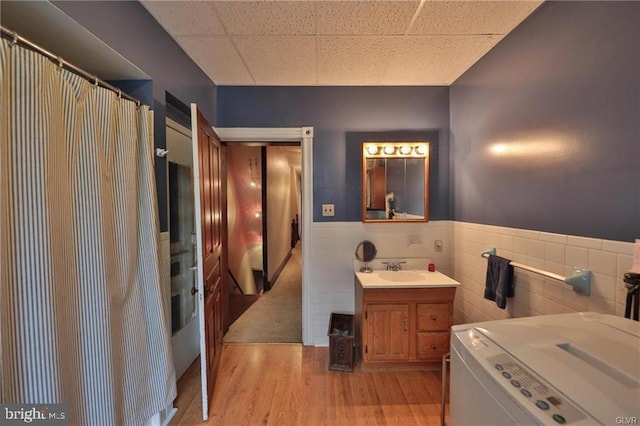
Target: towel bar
580,280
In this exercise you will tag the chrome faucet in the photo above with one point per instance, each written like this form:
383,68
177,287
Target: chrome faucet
393,265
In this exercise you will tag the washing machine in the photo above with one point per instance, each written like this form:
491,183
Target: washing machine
573,369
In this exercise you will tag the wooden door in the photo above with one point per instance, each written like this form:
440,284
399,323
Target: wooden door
378,179
210,201
387,332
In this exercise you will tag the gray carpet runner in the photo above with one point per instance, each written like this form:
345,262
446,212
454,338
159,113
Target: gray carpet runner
277,316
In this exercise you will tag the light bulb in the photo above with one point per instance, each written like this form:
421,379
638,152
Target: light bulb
405,150
372,149
389,149
421,150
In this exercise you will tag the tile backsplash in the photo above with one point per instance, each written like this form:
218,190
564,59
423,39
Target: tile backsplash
536,294
332,249
333,246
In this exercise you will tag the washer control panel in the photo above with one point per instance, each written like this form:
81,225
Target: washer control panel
530,390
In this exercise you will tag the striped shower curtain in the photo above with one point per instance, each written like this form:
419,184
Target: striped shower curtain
82,319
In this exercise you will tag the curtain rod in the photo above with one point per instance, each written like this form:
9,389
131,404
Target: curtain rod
15,38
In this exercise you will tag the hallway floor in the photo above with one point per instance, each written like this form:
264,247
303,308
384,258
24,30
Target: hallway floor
276,317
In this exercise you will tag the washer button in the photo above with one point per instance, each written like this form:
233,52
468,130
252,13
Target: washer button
525,392
499,367
558,418
506,375
542,404
516,383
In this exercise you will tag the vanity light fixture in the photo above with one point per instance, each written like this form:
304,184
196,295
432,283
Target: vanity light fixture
405,150
372,149
395,149
421,149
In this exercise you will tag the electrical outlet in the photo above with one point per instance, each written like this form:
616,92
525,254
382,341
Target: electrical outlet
327,210
437,245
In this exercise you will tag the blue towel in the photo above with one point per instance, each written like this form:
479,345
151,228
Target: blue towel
499,283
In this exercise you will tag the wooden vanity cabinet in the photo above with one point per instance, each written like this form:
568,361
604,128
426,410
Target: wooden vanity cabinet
432,332
387,332
402,326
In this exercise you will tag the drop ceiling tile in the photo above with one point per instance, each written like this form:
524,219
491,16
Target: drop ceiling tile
357,42
218,58
267,17
344,60
438,60
364,17
185,17
471,17
279,60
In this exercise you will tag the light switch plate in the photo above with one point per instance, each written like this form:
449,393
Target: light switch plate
327,210
437,245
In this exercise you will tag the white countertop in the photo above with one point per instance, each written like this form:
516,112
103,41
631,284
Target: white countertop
406,278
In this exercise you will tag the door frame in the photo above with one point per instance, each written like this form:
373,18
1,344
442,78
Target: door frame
304,135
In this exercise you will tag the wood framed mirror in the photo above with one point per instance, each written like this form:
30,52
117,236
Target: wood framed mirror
395,185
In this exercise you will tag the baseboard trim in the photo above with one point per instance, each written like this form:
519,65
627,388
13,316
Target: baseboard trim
276,274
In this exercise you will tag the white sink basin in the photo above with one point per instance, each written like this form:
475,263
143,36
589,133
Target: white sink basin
401,276
405,279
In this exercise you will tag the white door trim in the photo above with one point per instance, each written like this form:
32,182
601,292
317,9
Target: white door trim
304,135
204,362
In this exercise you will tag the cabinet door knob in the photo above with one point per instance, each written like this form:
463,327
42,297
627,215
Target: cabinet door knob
405,322
434,347
433,317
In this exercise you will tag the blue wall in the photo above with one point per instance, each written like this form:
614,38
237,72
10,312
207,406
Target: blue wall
343,118
562,94
129,29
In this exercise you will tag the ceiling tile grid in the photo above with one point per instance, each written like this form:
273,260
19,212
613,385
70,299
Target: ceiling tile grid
331,43
439,59
364,18
267,17
279,60
186,17
217,56
354,61
471,17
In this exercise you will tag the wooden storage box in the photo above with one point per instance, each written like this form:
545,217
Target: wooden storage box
341,342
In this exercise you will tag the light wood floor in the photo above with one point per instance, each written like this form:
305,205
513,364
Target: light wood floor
289,384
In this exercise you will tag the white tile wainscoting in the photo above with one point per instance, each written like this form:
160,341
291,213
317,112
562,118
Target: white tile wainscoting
535,294
332,246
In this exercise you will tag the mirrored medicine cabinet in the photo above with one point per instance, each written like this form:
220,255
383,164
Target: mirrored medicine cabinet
395,182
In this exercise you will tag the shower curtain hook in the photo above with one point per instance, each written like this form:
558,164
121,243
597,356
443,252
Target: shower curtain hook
14,39
119,94
95,81
60,62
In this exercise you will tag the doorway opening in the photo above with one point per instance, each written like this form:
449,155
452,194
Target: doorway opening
304,136
264,208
